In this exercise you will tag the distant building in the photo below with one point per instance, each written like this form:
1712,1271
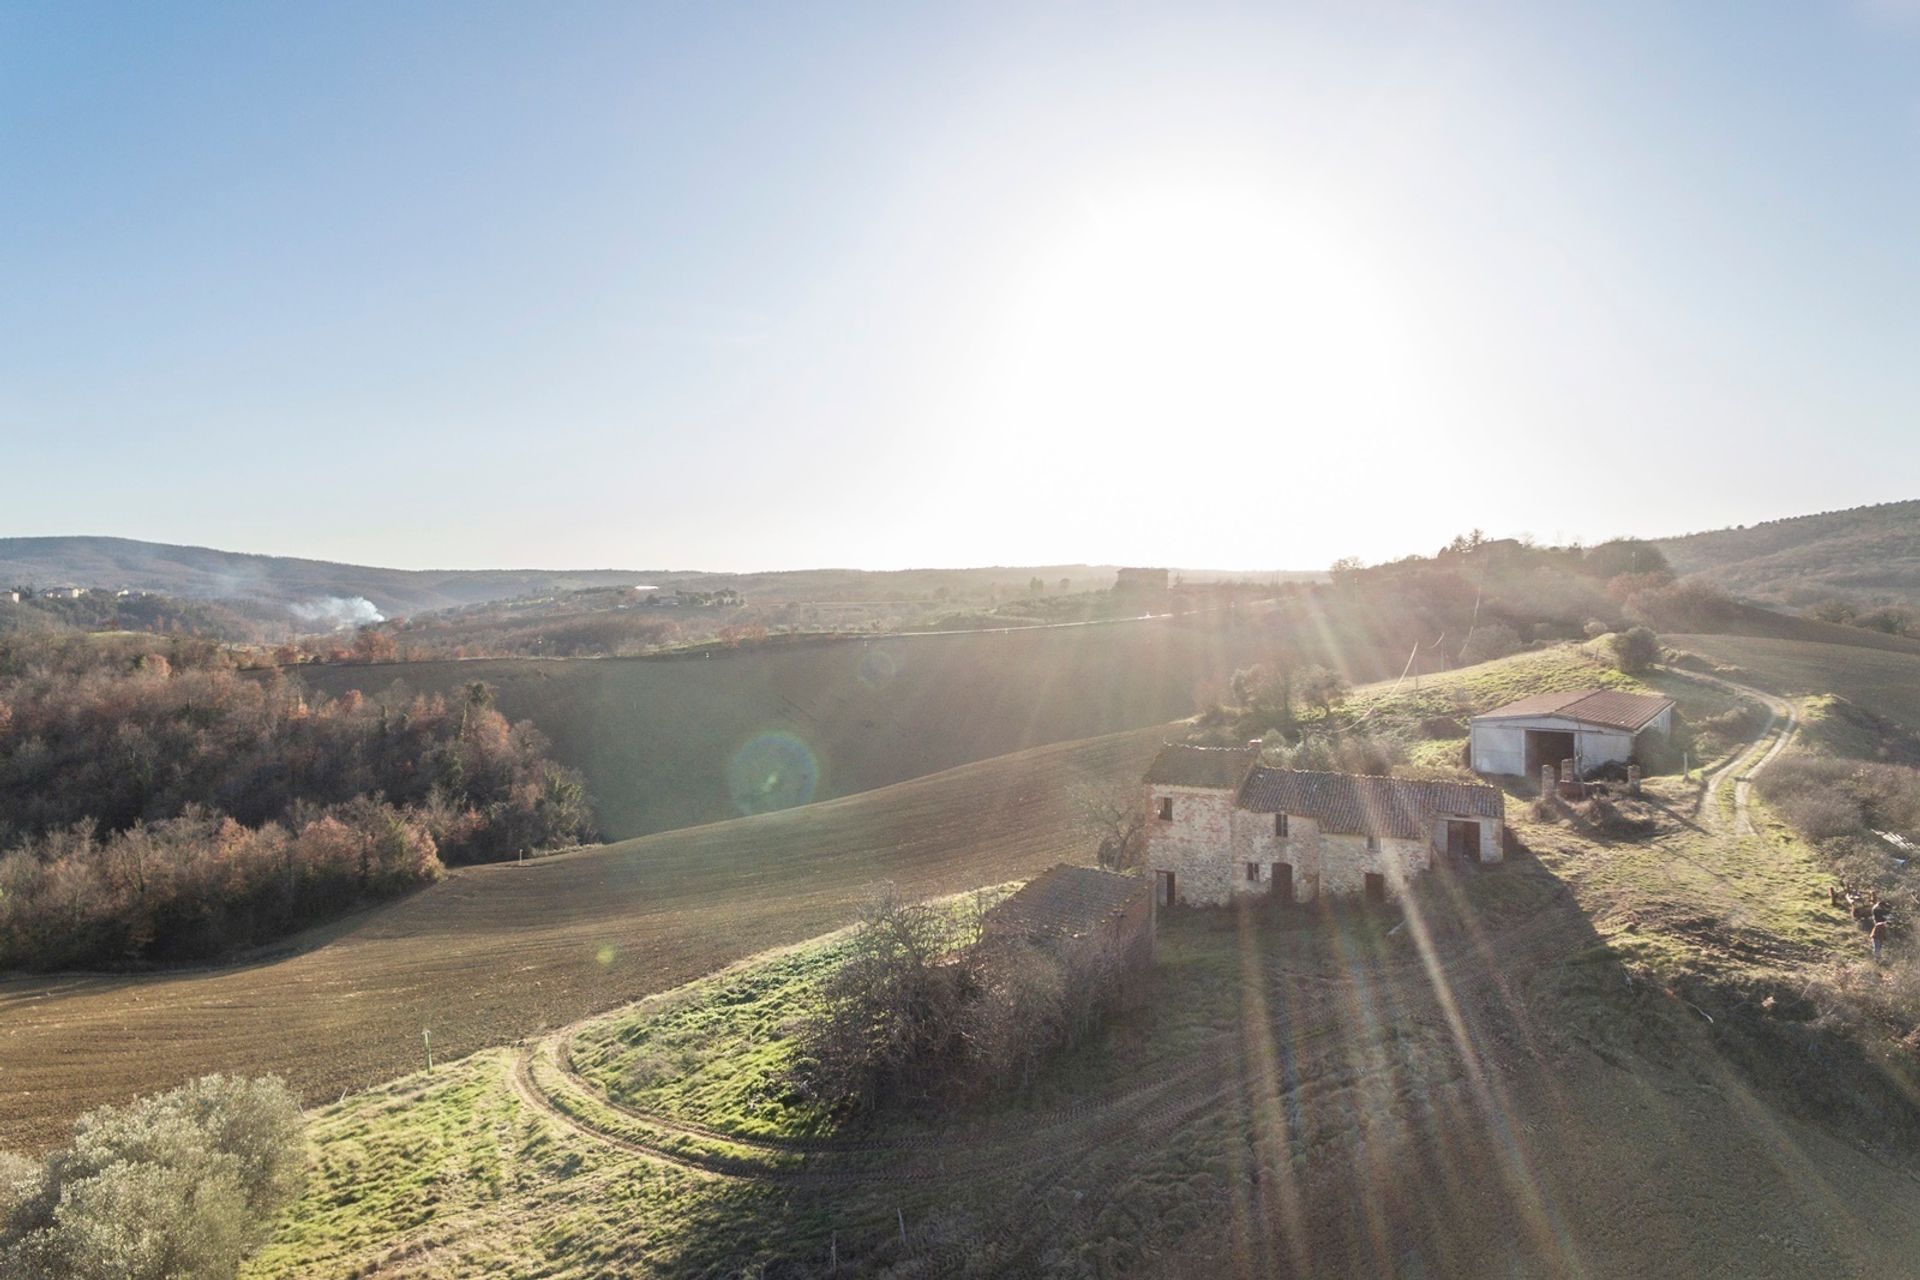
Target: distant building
1141,580
1590,727
63,593
1221,825
1070,908
10,597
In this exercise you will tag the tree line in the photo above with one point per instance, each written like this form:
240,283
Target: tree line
158,804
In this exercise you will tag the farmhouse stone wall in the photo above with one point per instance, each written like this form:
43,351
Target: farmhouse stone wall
1193,844
1210,844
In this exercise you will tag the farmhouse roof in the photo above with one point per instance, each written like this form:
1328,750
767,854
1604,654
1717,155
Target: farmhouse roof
1608,708
1066,902
1360,804
1182,765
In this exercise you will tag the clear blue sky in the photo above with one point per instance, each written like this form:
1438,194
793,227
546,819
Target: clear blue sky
683,285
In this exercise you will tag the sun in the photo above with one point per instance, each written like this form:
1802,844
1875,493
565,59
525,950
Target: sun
1200,305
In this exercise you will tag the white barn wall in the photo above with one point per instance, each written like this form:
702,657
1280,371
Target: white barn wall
1500,746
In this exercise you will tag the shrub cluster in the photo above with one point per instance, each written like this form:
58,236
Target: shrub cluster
911,1017
181,1186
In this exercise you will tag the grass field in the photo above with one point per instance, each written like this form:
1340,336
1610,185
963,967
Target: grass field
670,743
1494,1091
1886,682
1604,1100
495,953
666,744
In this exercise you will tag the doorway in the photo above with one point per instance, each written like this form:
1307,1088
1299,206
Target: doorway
1164,887
1376,887
1282,891
1463,840
1547,747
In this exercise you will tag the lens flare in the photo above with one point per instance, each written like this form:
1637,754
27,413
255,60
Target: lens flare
878,667
773,770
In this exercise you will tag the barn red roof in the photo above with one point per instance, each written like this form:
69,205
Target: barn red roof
1608,708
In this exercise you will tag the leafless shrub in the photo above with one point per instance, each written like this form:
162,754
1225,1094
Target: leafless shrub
913,1015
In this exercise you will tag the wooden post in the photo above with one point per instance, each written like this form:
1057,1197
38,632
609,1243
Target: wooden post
1633,779
427,1036
1546,782
901,1214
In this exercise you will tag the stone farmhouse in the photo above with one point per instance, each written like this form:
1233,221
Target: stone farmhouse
1590,727
1221,825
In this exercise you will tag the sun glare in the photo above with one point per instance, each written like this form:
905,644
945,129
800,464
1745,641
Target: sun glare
1201,303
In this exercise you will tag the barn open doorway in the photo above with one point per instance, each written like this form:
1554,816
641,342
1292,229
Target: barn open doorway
1376,887
1463,840
1163,887
1547,747
1282,891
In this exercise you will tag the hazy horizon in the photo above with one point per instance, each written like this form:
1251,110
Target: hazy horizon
749,290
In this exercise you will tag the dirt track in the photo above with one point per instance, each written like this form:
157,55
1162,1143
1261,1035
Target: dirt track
495,954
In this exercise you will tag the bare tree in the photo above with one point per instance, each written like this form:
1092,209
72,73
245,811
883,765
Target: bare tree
1113,815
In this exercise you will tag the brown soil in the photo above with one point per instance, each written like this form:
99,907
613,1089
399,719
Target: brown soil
497,953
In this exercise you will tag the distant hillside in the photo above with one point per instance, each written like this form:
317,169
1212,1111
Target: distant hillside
203,573
207,574
1868,554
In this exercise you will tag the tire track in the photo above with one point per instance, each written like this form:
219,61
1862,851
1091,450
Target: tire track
1064,1134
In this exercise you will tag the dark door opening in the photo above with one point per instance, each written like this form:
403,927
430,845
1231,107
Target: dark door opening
1165,887
1463,840
1376,887
1283,883
1547,747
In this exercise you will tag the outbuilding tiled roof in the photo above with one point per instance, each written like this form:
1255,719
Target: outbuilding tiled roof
1066,902
1360,804
1181,765
1608,708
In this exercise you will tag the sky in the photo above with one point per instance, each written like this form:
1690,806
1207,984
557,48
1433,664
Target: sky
745,287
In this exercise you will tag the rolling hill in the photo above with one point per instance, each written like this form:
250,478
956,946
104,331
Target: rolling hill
1866,554
672,742
495,953
203,573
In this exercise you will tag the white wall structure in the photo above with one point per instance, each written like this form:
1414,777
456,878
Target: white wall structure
1221,826
1591,727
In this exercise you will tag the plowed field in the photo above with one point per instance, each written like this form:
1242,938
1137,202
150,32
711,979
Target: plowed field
497,953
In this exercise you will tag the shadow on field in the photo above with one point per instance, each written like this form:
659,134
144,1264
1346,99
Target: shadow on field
1474,1083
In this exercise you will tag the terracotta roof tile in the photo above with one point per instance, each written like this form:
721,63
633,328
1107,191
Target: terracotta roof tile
1182,765
1066,902
1359,804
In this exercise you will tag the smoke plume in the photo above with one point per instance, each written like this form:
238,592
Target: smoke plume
337,613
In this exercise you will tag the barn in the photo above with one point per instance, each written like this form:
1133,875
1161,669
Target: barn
1591,727
1079,908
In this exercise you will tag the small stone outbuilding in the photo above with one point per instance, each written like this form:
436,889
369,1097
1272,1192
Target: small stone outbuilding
1590,727
1078,909
1221,825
